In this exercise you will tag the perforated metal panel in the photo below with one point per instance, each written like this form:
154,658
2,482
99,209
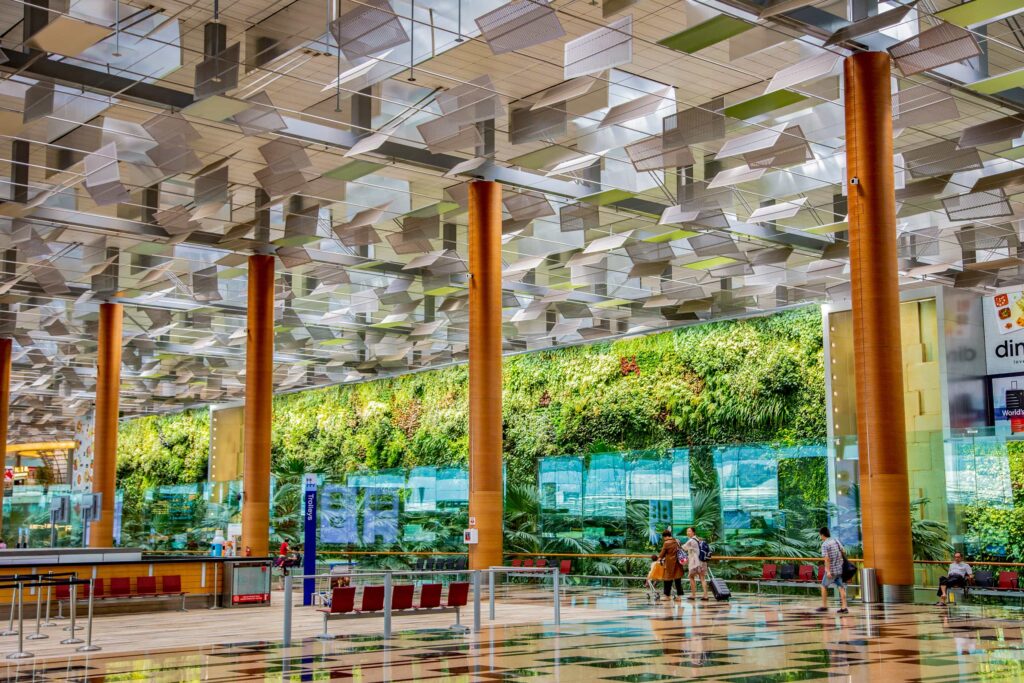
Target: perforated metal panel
367,27
650,154
711,244
940,45
791,148
940,158
526,124
38,101
471,102
694,125
527,205
922,104
977,205
802,72
445,134
518,25
601,49
998,130
579,216
645,105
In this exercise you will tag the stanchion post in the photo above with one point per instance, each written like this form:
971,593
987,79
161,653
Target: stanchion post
490,591
387,605
89,647
73,600
558,603
39,615
20,654
9,631
49,587
476,601
216,593
287,610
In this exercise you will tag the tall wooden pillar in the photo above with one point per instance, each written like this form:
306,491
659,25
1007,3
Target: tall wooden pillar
881,431
5,405
108,389
259,387
485,449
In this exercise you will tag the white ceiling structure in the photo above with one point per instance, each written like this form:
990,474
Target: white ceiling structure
664,162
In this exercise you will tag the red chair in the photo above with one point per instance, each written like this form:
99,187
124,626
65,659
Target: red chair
1008,581
97,586
541,563
458,594
517,562
806,573
171,584
565,566
430,596
821,573
145,585
768,572
528,563
343,600
120,587
373,599
401,596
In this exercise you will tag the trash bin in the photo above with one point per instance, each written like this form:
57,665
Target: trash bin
868,585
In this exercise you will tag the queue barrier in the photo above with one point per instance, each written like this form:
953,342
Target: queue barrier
19,582
371,604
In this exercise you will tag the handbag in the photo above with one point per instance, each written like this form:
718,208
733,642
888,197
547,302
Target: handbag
849,568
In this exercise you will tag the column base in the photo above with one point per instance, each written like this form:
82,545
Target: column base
892,593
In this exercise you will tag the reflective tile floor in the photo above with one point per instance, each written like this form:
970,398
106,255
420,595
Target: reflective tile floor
610,638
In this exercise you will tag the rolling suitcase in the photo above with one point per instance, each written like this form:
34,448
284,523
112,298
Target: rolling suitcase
718,587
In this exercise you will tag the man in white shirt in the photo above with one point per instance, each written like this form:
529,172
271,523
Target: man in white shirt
957,577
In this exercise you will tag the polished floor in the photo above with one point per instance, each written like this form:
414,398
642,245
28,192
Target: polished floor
603,637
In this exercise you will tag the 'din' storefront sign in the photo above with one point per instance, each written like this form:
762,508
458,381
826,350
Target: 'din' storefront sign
1004,332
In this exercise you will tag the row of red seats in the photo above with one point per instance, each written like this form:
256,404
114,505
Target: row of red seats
564,567
343,598
121,587
805,572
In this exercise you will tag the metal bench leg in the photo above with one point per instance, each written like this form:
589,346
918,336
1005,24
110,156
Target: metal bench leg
325,635
183,603
457,626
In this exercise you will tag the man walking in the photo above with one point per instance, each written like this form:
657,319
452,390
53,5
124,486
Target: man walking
832,556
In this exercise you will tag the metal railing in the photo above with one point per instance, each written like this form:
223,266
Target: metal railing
19,582
388,581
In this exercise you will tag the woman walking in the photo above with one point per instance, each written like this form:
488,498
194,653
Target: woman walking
669,558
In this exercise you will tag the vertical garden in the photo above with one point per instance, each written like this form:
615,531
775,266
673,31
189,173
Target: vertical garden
757,380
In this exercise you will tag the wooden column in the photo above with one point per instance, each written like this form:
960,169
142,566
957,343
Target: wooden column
5,405
485,449
878,358
108,390
259,388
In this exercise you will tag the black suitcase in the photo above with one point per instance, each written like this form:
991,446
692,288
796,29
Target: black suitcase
719,588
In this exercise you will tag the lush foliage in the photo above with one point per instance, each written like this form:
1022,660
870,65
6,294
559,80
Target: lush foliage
759,379
737,381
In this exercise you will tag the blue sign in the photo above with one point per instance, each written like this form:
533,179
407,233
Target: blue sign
309,540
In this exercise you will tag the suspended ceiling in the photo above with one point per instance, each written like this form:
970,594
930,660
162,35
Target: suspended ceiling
664,162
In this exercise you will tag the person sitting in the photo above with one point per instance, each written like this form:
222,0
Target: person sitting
958,576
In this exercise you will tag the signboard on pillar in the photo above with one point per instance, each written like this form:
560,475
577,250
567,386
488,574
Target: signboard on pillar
310,521
1004,332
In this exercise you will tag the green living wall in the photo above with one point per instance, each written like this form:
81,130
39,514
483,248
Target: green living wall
753,380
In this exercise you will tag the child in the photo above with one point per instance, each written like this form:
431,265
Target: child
655,573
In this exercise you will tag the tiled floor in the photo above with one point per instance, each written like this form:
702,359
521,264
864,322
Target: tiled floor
603,637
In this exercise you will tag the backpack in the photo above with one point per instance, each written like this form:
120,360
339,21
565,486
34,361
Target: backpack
704,551
681,556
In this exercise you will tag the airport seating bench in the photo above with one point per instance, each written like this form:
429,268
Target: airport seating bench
120,590
790,576
564,566
343,599
1006,585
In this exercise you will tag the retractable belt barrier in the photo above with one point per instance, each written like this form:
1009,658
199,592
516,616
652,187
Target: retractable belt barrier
17,583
